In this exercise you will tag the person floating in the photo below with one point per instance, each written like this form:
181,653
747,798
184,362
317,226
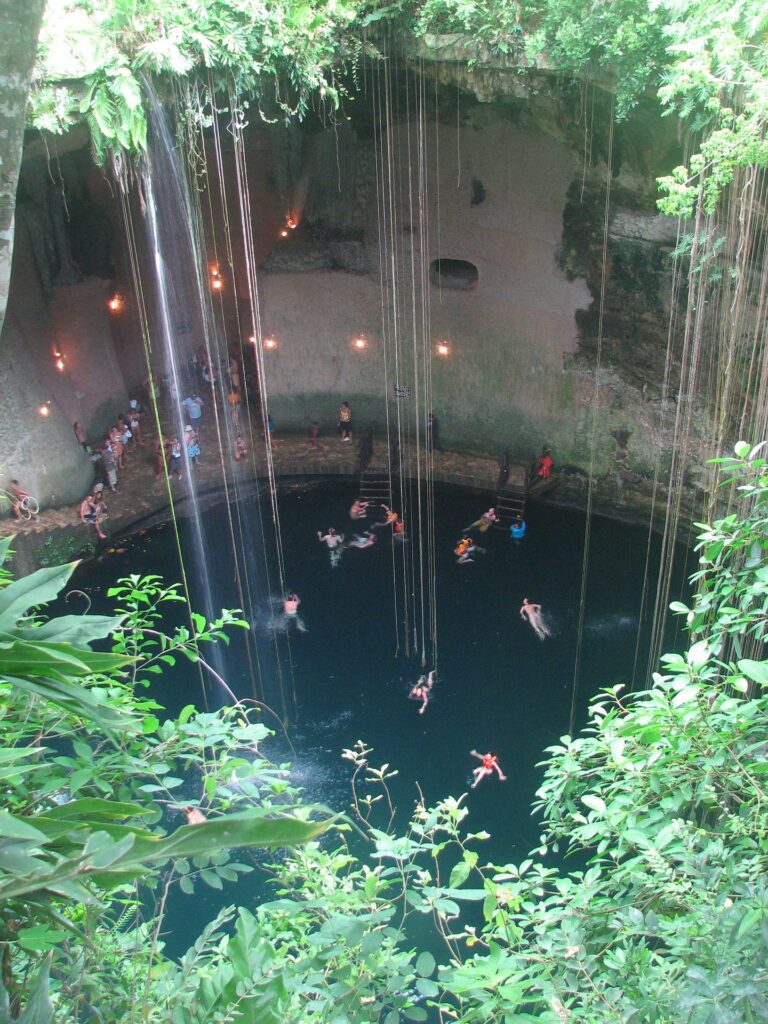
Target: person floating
359,509
485,522
532,612
466,550
517,528
423,691
489,765
366,540
544,464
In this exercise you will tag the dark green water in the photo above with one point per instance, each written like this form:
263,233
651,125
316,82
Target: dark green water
499,688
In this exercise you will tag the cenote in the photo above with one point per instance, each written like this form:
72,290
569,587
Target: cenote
498,686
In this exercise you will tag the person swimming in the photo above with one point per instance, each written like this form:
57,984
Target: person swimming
331,539
390,518
466,549
485,522
517,528
366,540
532,612
291,604
359,509
489,765
423,691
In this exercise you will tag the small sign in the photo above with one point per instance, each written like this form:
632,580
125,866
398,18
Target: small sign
402,390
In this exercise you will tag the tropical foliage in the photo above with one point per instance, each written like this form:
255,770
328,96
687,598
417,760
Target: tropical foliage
707,62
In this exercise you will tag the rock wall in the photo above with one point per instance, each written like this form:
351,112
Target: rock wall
57,358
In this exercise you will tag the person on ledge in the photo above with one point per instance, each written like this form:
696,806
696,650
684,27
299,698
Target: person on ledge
92,511
433,434
489,765
345,422
544,465
423,691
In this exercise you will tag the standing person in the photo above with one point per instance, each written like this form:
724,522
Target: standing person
271,431
345,421
118,448
490,764
240,450
193,444
22,502
109,465
92,512
161,457
544,465
234,408
234,372
314,434
193,405
433,434
176,458
134,422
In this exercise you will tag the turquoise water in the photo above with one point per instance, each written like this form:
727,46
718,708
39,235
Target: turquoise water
498,687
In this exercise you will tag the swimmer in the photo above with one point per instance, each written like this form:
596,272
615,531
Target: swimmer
331,539
291,604
423,691
367,540
490,764
359,509
194,815
466,549
485,522
390,518
532,612
518,528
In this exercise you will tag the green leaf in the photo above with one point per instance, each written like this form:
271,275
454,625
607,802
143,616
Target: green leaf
594,802
31,591
38,1008
754,670
425,964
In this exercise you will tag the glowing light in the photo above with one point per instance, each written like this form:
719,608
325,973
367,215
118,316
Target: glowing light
270,343
442,348
360,344
116,303
253,339
215,270
291,223
59,363
284,233
44,410
217,284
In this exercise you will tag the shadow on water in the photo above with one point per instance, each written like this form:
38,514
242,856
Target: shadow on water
498,686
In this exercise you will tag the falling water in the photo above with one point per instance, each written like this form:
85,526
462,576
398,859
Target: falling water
185,320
